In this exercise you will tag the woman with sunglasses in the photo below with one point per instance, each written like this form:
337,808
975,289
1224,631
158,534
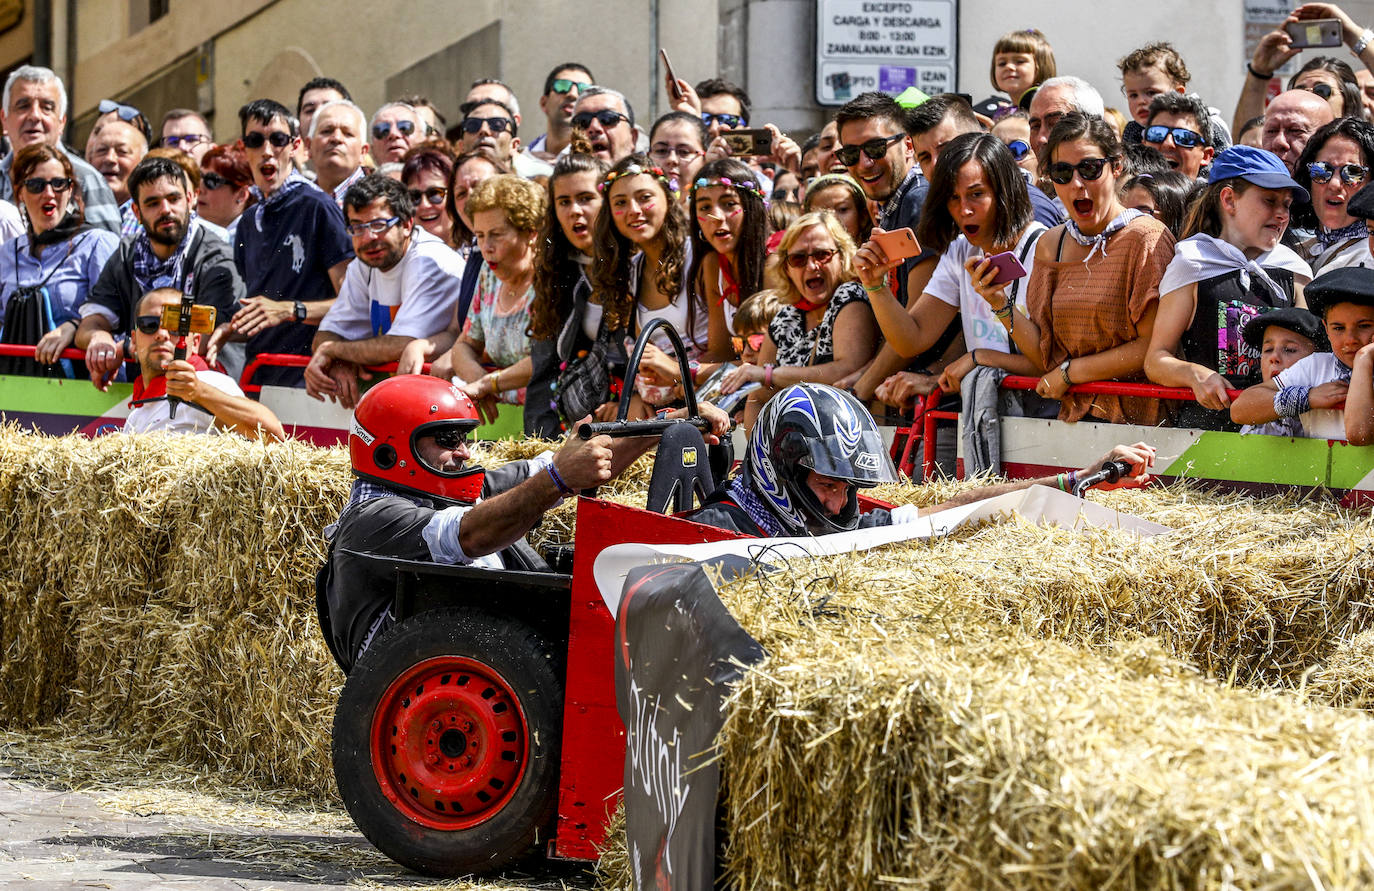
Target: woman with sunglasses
1229,267
825,330
425,173
47,272
729,231
1093,292
564,322
226,187
841,194
1333,166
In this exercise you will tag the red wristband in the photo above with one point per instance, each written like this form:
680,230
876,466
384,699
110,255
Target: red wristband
768,375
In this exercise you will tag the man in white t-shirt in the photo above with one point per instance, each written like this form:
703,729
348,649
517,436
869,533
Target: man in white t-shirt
210,400
399,290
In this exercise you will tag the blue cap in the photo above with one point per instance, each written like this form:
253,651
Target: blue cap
1257,166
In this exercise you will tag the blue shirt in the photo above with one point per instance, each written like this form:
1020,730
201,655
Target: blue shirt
69,273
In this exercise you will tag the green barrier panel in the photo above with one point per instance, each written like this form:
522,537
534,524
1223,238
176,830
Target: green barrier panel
509,424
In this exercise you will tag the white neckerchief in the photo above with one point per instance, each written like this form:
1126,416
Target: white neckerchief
1201,257
1098,242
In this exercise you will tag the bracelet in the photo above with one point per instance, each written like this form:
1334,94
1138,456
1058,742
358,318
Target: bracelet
875,289
1253,73
1365,40
1073,480
768,375
1064,370
1059,480
494,379
1004,314
558,481
974,354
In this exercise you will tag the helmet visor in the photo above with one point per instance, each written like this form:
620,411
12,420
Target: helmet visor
443,438
862,461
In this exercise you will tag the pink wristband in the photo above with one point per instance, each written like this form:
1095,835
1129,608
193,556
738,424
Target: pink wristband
768,375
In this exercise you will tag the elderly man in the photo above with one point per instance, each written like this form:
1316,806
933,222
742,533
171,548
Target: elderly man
395,128
401,288
337,146
1057,97
210,401
114,151
188,131
34,111
604,117
1290,120
561,89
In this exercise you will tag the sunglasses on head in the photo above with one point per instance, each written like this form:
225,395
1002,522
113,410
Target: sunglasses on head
799,259
1321,173
257,139
186,139
1089,168
1321,89
450,438
1019,148
376,227
874,149
565,85
382,129
730,121
126,112
433,195
36,184
1183,137
148,324
755,342
605,117
495,125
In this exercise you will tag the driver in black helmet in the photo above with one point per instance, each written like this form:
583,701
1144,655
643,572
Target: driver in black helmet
813,447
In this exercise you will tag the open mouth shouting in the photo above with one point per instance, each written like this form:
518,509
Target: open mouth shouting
1083,208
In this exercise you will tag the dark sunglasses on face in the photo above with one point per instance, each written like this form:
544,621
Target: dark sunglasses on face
211,180
450,439
433,195
382,129
1321,173
729,121
874,149
755,342
1321,89
255,140
799,259
187,139
605,117
148,324
1019,148
36,184
1183,137
1089,168
495,125
376,227
564,85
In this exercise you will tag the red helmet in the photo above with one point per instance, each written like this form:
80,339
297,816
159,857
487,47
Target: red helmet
392,416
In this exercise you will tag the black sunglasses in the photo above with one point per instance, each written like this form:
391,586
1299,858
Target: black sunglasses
730,121
450,438
1321,89
148,324
874,149
433,195
211,180
36,184
1183,137
1089,168
605,117
1322,171
382,129
496,125
257,139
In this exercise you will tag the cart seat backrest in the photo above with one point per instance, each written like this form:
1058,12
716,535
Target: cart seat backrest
682,471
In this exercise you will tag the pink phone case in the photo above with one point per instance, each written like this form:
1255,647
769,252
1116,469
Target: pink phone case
899,244
1009,269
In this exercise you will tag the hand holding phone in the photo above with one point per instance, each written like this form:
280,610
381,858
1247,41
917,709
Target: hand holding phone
899,244
1008,267
1310,33
749,142
674,90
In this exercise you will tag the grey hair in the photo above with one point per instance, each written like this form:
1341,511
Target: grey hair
1085,97
406,105
510,94
35,74
344,103
598,91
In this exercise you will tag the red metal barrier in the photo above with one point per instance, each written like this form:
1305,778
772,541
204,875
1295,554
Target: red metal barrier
1022,382
23,351
290,360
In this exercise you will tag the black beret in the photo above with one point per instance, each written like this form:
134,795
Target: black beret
1294,318
1361,204
1350,284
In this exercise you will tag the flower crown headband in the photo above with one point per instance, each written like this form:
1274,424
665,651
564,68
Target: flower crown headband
749,185
636,170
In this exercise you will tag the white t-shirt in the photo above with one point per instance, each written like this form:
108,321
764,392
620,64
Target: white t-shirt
418,292
154,417
1313,371
950,283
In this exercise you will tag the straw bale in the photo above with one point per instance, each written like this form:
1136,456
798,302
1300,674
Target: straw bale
1347,677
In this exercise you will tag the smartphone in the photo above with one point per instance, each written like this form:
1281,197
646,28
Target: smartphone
1009,269
674,91
1314,33
899,244
749,142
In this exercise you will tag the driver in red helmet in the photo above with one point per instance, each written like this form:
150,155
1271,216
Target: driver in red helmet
416,498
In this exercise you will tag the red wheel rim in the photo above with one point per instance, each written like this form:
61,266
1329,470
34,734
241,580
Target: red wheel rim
449,743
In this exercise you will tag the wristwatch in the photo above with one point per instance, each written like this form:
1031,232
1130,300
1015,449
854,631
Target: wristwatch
1064,370
298,310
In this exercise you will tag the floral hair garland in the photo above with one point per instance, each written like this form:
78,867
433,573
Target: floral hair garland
749,185
635,170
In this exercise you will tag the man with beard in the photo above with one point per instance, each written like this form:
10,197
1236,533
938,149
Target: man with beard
400,290
290,247
211,401
337,146
604,119
171,250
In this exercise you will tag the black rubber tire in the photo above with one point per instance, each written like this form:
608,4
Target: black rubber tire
514,654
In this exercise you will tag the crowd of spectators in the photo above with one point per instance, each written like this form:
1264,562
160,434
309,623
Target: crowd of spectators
914,243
